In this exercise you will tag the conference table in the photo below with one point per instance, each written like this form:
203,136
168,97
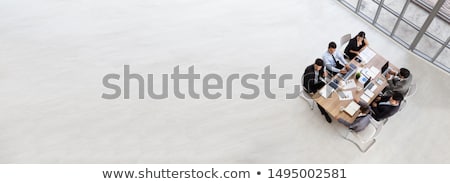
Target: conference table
371,61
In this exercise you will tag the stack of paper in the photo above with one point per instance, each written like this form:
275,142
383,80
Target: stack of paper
352,108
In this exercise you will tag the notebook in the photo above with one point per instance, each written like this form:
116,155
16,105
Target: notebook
352,108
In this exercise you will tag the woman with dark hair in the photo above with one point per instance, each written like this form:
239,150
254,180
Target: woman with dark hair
356,45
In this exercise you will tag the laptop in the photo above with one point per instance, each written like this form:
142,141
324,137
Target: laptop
369,85
329,88
350,72
385,68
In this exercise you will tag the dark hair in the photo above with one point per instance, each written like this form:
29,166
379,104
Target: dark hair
364,108
332,45
404,72
362,34
397,96
319,62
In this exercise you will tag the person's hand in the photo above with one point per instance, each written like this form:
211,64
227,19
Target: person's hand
388,75
347,67
374,104
325,73
377,99
343,71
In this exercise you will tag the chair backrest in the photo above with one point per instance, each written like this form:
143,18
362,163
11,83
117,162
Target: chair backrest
412,90
402,105
345,39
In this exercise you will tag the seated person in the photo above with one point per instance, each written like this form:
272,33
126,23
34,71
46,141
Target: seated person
361,121
399,83
356,45
386,106
312,82
312,75
334,60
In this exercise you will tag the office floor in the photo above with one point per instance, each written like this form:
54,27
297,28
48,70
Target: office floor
54,55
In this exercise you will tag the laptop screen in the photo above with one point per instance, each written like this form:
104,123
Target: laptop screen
367,82
334,85
385,67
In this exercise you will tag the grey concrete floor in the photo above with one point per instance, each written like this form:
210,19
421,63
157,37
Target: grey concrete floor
54,55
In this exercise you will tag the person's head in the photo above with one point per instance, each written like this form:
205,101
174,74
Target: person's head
361,35
404,73
396,98
364,109
331,47
318,64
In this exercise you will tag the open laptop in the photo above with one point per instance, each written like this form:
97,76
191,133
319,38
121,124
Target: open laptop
369,85
329,88
385,69
350,72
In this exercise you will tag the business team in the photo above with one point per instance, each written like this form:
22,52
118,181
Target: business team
385,104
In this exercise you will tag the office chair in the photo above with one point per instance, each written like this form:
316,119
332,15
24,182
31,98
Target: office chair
402,105
344,40
412,90
306,96
365,139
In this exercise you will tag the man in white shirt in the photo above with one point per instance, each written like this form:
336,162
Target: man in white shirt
334,60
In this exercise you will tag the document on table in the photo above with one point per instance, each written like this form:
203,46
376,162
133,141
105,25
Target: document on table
349,84
365,98
345,95
367,54
352,108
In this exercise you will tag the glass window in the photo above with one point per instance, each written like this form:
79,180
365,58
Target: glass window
396,5
352,3
439,28
443,58
416,14
428,46
406,33
386,20
368,8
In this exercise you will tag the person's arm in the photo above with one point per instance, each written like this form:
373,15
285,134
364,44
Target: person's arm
340,57
346,123
328,65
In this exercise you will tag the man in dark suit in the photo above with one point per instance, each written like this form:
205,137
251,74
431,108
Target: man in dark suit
386,106
312,82
312,75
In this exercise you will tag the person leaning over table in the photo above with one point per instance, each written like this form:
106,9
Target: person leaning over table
362,121
356,45
386,106
312,82
400,82
334,60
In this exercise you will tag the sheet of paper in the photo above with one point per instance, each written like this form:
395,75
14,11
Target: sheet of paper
365,98
369,93
346,95
367,54
349,84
